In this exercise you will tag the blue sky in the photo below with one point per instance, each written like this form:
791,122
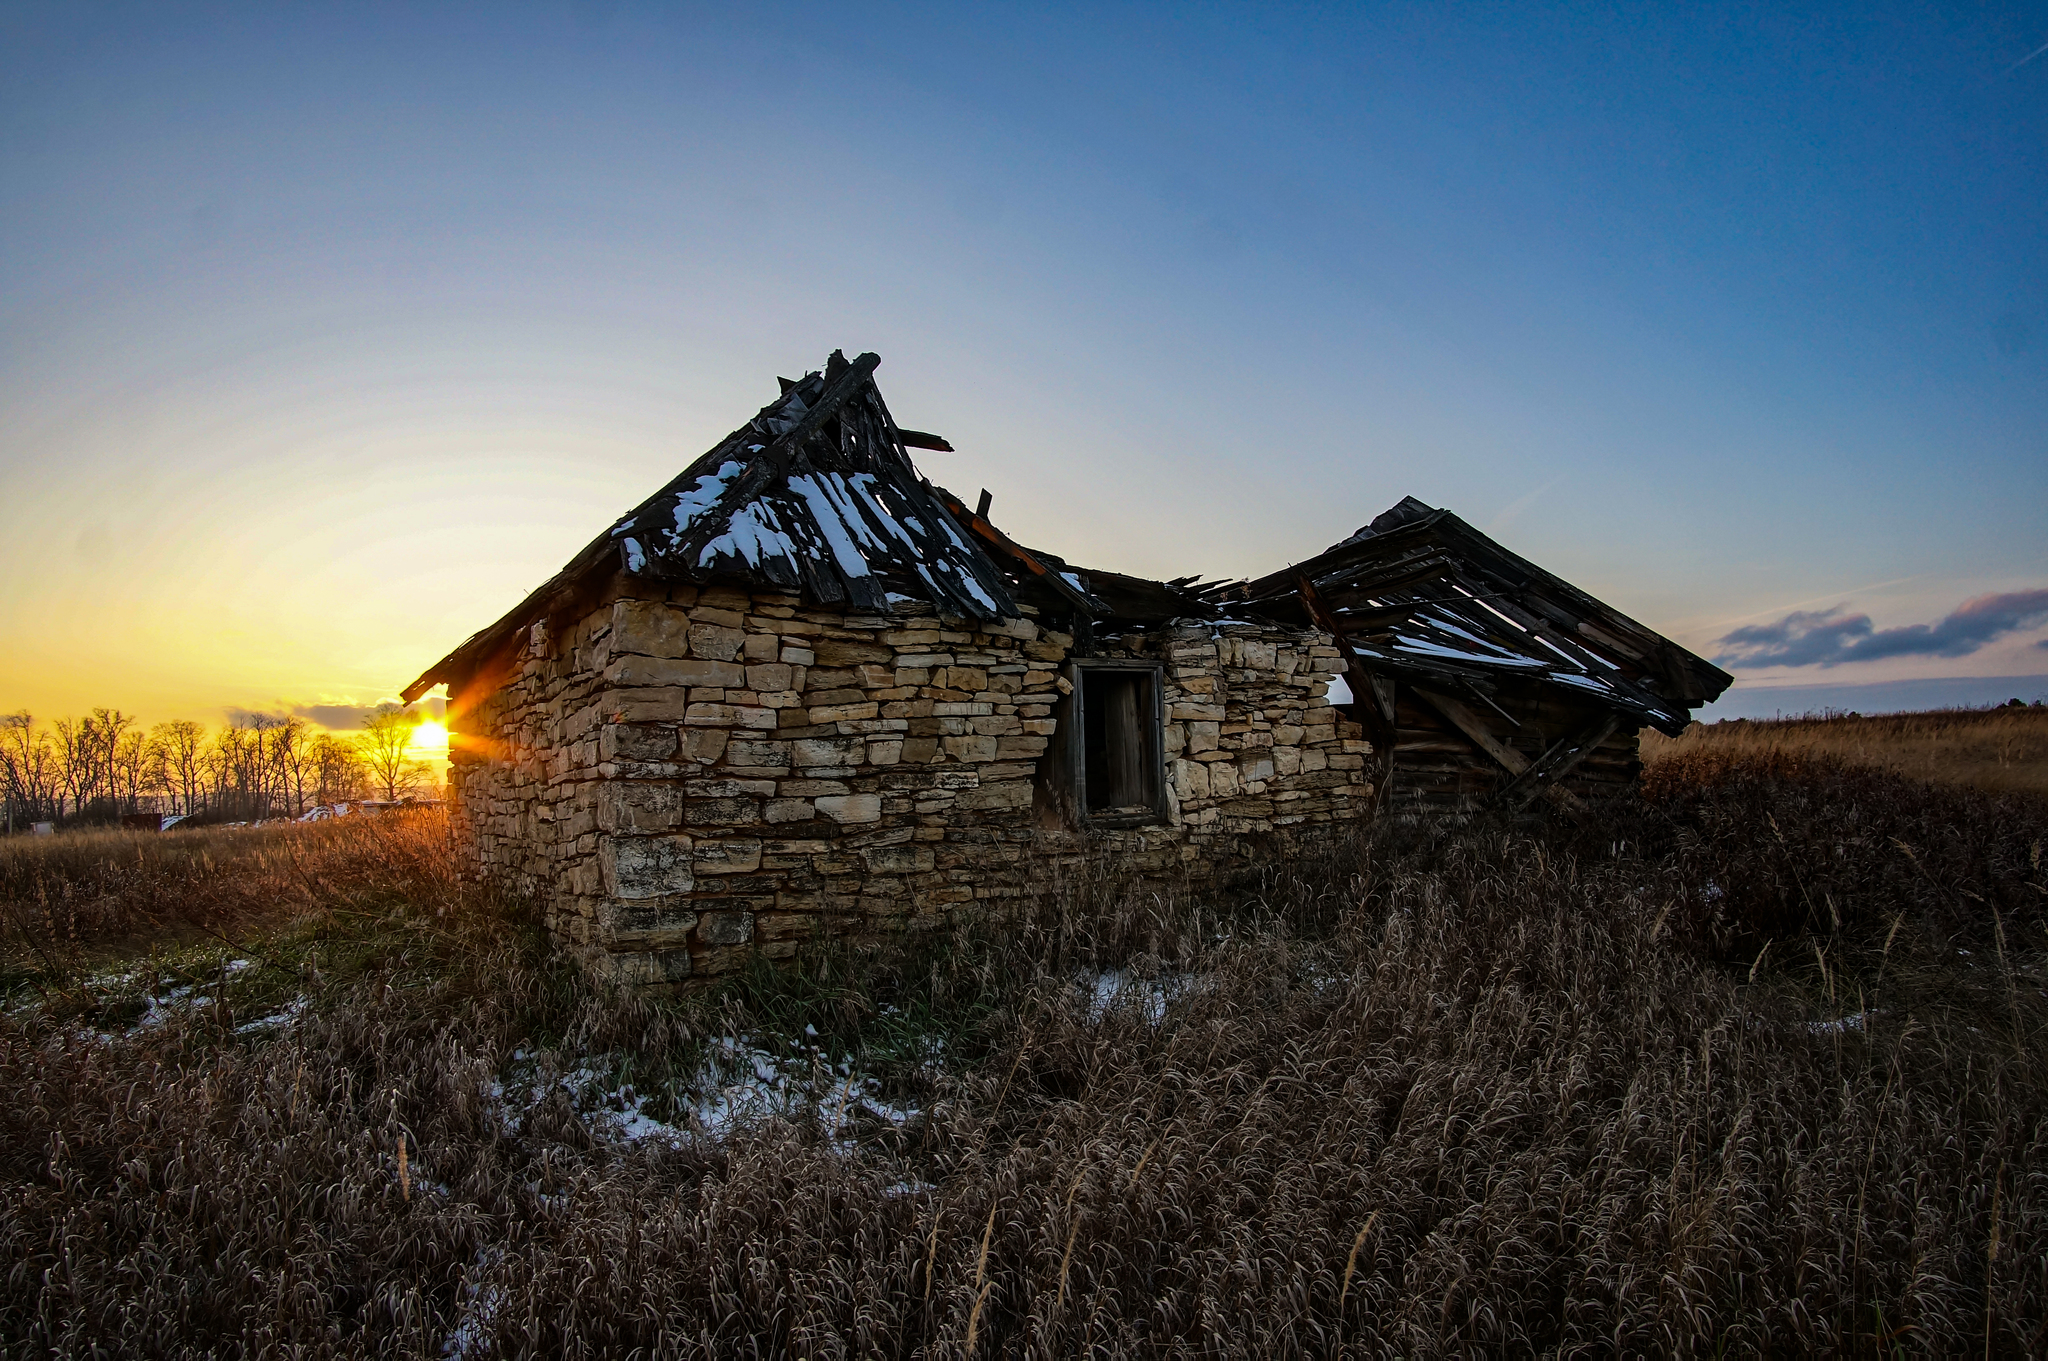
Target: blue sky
325,333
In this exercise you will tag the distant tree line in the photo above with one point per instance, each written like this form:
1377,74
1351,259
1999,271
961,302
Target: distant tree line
101,766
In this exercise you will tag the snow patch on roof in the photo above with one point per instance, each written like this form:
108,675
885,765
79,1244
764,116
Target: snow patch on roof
695,500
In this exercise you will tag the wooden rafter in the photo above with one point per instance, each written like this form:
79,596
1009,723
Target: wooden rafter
1510,760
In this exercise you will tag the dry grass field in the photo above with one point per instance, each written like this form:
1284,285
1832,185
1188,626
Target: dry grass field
2004,748
1751,1064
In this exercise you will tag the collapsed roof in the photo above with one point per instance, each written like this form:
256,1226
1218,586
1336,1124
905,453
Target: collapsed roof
1421,595
817,495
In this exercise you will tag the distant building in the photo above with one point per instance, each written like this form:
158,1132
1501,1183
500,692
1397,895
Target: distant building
801,690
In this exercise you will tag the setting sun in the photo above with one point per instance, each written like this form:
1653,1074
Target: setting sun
430,737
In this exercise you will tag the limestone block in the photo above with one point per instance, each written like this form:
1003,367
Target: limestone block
798,656
849,653
1019,748
704,745
729,856
728,812
970,748
756,752
884,752
1005,794
636,742
1191,780
640,706
1021,630
731,716
762,647
811,789
828,751
904,859
672,934
646,867
769,676
639,809
919,751
1202,736
1189,711
726,928
648,968
715,642
851,808
1286,760
834,713
692,672
789,810
650,628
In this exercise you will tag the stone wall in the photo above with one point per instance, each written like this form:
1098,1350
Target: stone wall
690,778
524,778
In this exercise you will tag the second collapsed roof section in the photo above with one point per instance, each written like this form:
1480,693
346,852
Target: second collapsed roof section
1418,594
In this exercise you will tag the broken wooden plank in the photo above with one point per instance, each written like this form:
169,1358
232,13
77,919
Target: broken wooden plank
1506,756
988,533
1550,768
919,439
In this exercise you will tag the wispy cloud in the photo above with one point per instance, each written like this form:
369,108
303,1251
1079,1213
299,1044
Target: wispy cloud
2024,60
1515,508
349,717
1834,636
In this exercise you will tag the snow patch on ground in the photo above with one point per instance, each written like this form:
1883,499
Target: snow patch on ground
471,1335
1108,989
742,1082
291,1012
1841,1024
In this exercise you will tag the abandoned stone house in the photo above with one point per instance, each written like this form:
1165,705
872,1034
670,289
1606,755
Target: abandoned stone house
802,690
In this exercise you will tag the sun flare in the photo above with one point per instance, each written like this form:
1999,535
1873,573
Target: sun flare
430,737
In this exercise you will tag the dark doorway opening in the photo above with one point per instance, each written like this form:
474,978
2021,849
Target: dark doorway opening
1120,743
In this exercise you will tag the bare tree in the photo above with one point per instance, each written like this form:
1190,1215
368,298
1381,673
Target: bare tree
182,744
74,763
240,767
386,745
128,761
291,745
87,754
28,763
337,769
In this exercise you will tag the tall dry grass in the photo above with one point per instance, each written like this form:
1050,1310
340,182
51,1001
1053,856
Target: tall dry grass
84,896
1711,1076
2001,749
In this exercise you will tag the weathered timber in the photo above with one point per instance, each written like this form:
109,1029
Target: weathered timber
1555,764
1509,759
